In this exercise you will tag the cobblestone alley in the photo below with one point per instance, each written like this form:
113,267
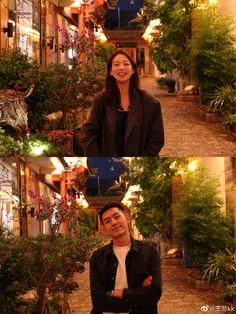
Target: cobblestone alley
185,133
178,296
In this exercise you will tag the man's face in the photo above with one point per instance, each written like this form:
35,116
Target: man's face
115,222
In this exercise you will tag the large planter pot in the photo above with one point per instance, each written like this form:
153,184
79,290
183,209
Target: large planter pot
208,116
170,83
186,260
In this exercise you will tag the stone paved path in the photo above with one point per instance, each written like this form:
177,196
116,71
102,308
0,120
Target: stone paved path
185,134
178,296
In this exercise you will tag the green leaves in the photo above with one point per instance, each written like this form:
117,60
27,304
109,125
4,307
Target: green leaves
154,176
17,71
203,229
213,51
171,47
9,146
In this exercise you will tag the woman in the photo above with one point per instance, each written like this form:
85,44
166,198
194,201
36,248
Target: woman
124,121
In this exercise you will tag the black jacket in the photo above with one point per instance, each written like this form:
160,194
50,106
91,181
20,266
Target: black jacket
144,135
142,260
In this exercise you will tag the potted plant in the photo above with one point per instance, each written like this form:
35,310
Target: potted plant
221,267
223,100
170,83
230,123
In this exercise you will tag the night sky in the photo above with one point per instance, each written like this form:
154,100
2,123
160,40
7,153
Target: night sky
127,11
107,174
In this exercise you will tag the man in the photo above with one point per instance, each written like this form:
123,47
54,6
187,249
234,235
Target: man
125,275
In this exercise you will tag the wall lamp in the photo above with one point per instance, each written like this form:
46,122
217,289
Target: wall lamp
8,29
51,42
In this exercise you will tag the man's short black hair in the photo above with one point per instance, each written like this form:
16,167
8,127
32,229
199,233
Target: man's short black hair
108,206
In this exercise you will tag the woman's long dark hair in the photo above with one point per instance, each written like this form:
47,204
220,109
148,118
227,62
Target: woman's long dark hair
112,93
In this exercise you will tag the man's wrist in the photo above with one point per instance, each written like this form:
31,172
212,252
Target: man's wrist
118,293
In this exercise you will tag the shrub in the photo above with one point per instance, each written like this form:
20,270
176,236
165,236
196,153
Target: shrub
161,82
214,55
223,100
9,146
221,266
17,71
203,229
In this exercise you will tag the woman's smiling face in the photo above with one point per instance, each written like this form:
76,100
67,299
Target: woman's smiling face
121,68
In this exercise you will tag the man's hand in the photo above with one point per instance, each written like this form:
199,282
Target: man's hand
118,293
147,281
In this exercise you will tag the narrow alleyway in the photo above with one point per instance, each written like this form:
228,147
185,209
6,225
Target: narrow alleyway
185,133
178,296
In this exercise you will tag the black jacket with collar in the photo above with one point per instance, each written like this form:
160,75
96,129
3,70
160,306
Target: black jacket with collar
142,260
144,135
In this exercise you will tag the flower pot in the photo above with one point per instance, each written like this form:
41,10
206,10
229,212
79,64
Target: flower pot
208,116
170,83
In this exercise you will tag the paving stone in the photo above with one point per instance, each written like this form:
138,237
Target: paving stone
185,134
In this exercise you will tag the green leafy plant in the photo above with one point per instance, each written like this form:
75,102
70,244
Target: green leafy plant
171,49
9,146
223,101
213,67
221,266
39,145
230,121
230,291
17,71
67,90
161,82
154,176
44,262
202,229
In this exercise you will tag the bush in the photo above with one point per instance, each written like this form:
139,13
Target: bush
9,146
223,101
203,229
221,266
43,262
161,82
214,55
230,122
17,71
